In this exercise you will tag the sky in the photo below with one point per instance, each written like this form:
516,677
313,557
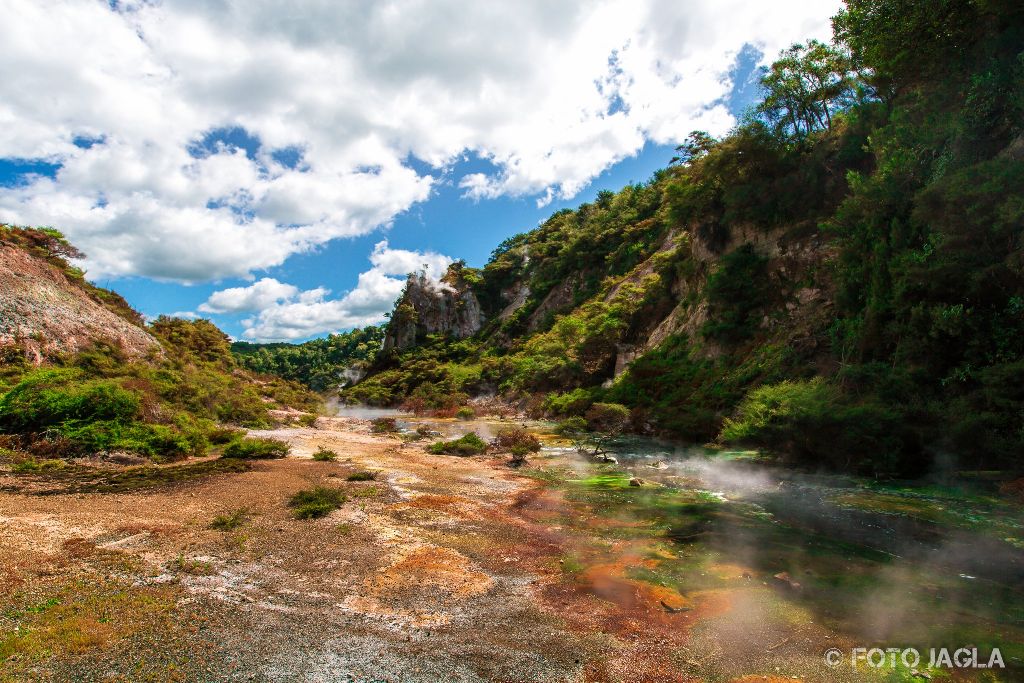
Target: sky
280,167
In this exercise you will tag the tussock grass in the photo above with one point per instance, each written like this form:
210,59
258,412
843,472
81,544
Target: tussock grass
318,501
230,521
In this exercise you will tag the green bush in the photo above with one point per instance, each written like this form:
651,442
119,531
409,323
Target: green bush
243,406
231,521
255,448
325,455
814,422
469,444
52,398
573,402
137,437
219,435
362,476
735,293
465,413
319,501
608,418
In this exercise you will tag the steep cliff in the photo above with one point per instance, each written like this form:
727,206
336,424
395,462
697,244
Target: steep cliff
447,307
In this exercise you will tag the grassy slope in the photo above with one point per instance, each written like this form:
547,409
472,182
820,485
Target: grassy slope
165,406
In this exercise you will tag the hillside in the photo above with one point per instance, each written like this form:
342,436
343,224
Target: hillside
839,280
82,374
48,308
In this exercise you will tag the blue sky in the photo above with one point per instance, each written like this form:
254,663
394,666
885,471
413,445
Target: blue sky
280,176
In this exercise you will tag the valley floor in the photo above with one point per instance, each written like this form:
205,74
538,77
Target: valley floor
444,569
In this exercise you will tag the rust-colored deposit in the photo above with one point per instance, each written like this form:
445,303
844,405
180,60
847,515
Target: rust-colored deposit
443,569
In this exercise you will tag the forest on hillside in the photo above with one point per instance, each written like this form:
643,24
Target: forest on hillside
841,277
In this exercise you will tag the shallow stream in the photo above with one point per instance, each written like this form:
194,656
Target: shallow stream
827,558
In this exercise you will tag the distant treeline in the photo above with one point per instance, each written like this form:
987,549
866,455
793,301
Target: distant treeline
320,364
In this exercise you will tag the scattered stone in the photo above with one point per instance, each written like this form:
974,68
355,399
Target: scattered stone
636,481
784,580
673,610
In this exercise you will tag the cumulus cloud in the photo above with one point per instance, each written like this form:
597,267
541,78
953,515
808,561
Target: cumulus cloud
286,313
257,296
131,97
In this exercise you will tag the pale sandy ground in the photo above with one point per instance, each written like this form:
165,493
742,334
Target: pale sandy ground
446,569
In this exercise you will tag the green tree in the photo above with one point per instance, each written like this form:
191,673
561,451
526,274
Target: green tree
806,86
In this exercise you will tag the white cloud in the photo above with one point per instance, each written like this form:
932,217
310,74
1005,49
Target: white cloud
552,93
286,313
257,296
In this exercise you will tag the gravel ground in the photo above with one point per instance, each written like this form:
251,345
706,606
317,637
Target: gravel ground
444,569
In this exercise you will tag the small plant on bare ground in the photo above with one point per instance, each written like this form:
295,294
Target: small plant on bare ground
362,476
230,521
518,441
306,420
192,566
318,501
325,455
255,448
469,444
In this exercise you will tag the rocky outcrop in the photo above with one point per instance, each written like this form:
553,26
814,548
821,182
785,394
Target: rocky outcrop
447,307
559,300
45,313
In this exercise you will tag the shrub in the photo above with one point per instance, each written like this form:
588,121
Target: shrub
245,407
465,413
192,566
222,435
254,448
814,422
607,418
325,455
51,398
519,454
362,476
470,444
319,501
735,292
511,439
575,402
144,439
571,426
383,425
230,521
25,466
307,420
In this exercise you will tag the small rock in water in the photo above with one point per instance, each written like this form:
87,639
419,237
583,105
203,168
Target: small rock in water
786,581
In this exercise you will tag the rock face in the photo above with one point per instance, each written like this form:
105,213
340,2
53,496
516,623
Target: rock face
44,312
427,307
